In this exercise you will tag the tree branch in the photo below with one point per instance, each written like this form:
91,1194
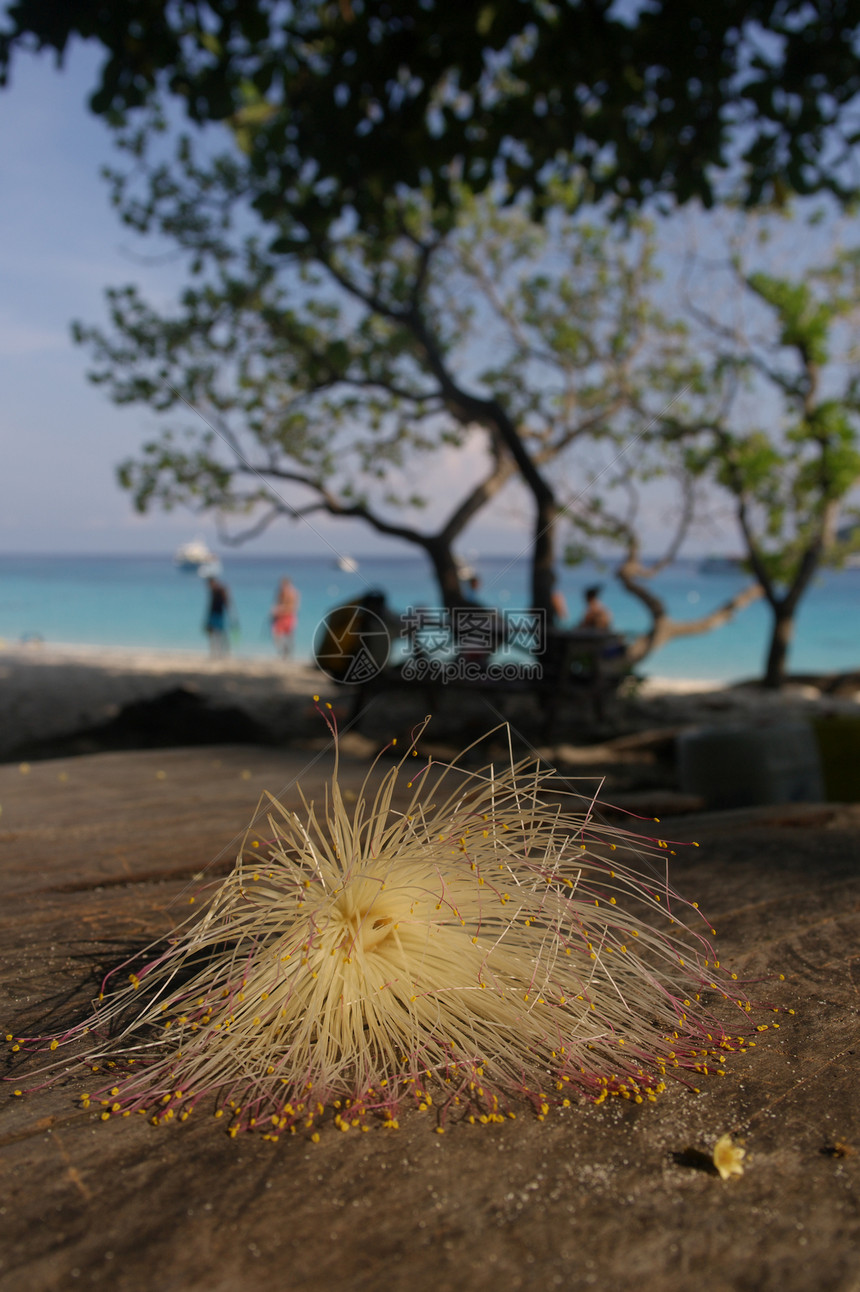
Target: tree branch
665,629
477,498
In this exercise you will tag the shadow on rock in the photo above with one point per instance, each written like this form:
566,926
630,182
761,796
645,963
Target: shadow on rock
177,717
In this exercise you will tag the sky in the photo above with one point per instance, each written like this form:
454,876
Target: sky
59,246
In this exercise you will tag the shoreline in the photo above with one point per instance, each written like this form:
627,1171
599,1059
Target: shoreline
166,659
154,659
99,604
297,670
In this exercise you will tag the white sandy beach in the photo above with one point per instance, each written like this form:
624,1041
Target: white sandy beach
52,691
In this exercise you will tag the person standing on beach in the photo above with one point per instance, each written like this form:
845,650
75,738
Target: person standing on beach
218,618
284,615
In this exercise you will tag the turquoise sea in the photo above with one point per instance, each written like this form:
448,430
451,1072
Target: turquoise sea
146,602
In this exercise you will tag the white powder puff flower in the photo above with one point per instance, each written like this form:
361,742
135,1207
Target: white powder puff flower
486,946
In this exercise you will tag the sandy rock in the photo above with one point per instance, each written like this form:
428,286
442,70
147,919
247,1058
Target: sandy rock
95,858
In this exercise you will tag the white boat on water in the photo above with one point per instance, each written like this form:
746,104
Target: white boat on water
196,556
348,564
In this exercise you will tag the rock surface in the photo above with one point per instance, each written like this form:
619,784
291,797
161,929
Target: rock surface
96,854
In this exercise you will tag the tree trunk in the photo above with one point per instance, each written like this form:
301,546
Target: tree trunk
543,556
446,570
780,641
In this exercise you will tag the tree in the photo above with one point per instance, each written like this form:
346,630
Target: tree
639,99
331,370
779,432
343,108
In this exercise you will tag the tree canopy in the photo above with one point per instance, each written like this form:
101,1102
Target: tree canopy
343,100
